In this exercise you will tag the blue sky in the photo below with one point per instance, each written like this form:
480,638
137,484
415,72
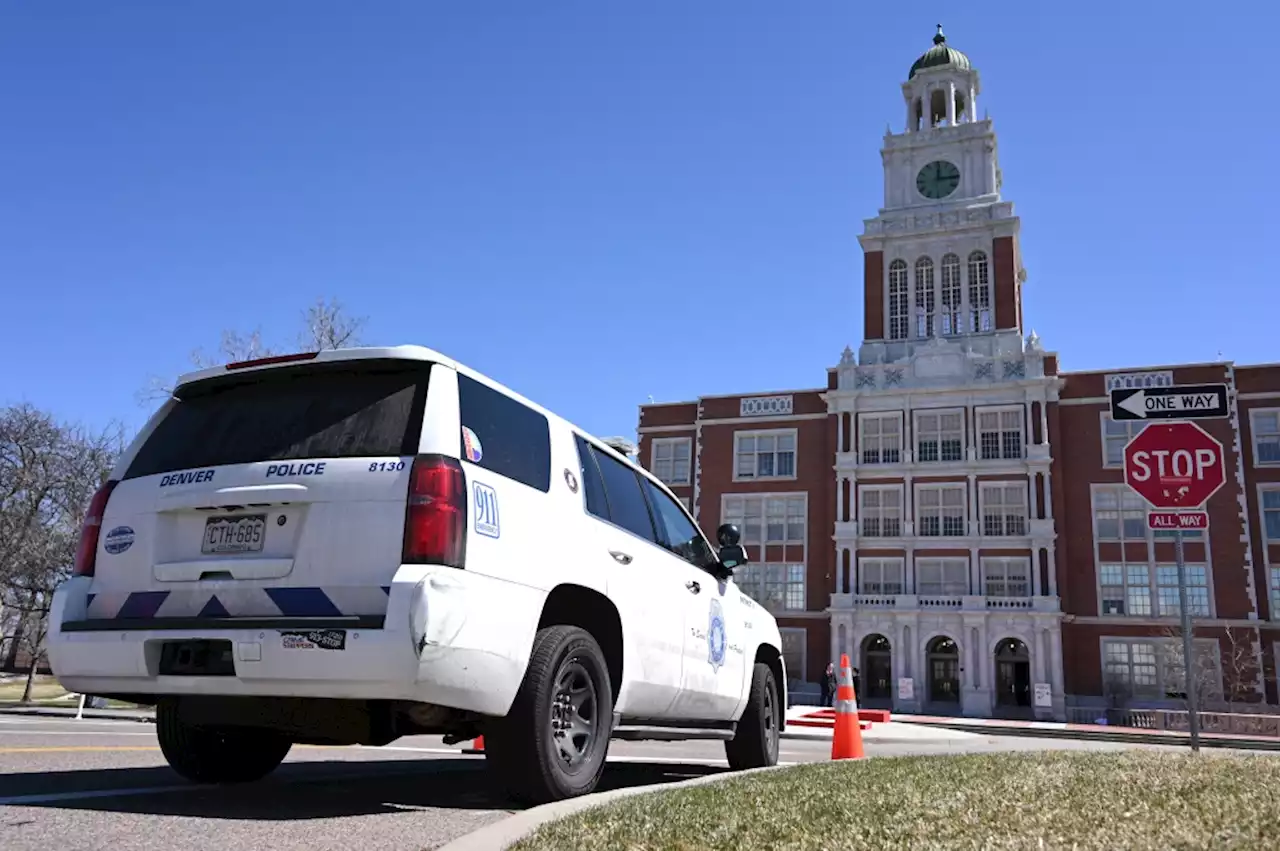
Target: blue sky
598,202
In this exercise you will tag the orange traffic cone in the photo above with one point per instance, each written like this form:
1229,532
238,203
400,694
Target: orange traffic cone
476,747
847,741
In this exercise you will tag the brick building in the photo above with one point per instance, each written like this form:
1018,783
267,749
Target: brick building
949,509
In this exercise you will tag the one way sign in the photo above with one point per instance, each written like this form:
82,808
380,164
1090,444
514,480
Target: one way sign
1180,402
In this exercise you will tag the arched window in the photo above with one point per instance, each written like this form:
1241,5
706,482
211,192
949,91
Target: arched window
979,293
951,294
899,306
924,297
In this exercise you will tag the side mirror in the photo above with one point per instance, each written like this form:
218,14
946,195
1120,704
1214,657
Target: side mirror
732,555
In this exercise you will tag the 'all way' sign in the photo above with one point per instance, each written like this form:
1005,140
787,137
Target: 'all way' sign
1180,402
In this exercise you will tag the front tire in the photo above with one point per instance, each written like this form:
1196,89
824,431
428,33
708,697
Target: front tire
756,743
553,743
217,755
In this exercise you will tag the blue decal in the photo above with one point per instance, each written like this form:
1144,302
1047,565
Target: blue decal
716,637
191,478
118,540
487,522
386,466
214,609
310,468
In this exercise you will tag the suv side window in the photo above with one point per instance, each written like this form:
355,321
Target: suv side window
627,505
515,440
592,484
676,531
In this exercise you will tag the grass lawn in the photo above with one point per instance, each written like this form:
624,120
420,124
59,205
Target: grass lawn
1133,800
46,688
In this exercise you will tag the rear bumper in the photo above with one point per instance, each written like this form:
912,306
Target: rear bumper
449,638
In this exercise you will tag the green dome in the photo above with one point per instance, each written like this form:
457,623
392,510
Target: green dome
940,55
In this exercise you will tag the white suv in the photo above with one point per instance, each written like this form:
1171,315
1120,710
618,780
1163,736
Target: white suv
358,545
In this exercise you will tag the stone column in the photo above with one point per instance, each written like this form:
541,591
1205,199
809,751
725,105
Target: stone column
951,103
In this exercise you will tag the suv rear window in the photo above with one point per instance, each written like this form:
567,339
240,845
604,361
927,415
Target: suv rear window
341,410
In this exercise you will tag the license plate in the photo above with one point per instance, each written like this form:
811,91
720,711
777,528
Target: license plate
242,534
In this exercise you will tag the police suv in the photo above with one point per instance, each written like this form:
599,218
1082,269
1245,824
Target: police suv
357,545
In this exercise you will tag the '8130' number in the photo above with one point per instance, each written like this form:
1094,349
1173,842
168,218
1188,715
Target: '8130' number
386,466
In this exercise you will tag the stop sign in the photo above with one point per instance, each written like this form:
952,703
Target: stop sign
1174,465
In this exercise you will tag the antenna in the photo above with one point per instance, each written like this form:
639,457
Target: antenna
650,398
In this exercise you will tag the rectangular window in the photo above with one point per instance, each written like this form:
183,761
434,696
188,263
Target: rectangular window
341,409
880,512
515,440
1004,509
1131,668
765,454
1271,515
1000,434
942,577
1197,590
1006,577
1275,594
940,436
794,640
777,587
768,518
880,438
940,511
1265,425
671,456
881,576
1114,437
1119,514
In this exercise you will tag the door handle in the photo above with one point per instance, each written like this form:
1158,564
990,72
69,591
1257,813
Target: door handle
693,586
620,557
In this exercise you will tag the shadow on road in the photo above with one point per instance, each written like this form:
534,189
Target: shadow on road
302,790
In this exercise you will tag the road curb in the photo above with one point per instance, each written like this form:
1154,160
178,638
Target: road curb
1174,740
89,714
503,834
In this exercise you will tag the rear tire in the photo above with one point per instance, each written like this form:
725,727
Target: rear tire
217,755
553,742
756,742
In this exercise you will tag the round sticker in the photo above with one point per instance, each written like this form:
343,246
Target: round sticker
118,540
471,446
571,480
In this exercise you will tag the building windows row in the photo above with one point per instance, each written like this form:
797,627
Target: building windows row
940,435
1007,576
776,587
757,455
938,306
768,518
1119,514
1142,590
1152,668
942,510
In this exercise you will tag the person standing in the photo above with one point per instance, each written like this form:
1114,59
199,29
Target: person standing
829,684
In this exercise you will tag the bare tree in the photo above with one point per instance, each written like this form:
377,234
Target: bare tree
50,471
328,326
325,325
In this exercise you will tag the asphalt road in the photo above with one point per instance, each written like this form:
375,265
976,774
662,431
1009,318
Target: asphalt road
104,785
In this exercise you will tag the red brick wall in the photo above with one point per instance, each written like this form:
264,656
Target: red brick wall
1004,262
873,284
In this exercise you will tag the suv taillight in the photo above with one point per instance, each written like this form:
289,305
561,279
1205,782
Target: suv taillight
87,552
435,523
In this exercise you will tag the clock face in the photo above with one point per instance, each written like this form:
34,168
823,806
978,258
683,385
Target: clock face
938,179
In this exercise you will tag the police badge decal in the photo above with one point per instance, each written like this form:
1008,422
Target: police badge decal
716,637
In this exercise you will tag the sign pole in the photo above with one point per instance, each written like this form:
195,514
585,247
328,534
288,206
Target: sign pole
1193,699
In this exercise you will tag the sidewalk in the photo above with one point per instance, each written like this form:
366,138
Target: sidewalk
47,711
1045,729
1095,732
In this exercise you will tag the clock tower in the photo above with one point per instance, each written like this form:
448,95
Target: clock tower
941,259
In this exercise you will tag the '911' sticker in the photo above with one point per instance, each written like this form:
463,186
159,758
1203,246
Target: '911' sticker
486,500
